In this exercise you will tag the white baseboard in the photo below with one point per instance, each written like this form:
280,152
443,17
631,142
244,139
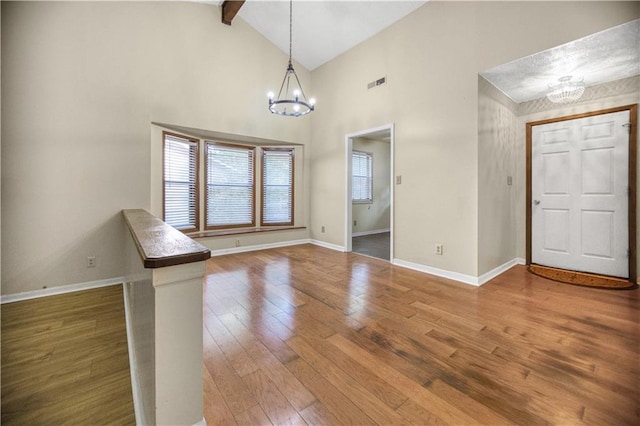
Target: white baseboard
255,247
455,276
375,231
467,279
133,362
10,298
328,245
499,270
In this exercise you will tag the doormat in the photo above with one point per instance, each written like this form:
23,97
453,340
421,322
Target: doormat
581,278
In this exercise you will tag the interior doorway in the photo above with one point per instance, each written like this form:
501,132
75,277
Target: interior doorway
369,192
581,196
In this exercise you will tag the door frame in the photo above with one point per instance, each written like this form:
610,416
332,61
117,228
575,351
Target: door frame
633,113
348,231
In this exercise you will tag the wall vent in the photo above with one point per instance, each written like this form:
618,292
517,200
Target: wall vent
376,83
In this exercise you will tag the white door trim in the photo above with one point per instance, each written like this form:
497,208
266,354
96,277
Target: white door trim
348,139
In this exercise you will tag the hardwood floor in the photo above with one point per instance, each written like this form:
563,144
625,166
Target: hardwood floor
307,335
374,245
65,360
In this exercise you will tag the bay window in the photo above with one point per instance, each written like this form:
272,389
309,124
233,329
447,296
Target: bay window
277,186
230,186
180,182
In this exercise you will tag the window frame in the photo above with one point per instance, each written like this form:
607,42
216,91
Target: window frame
195,142
252,150
292,152
369,156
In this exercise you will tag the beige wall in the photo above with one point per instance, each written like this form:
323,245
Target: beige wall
375,216
497,134
81,83
431,59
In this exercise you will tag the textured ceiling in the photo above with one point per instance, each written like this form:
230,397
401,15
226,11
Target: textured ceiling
606,56
322,30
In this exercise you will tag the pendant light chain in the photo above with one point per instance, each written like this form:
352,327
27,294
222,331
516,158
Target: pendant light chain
290,27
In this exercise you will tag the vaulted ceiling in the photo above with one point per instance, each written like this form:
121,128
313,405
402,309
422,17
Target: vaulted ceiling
322,30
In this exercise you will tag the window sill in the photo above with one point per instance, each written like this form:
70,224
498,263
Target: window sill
227,232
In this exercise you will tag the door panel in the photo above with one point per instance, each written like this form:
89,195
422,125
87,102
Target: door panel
597,233
555,173
579,216
597,171
556,222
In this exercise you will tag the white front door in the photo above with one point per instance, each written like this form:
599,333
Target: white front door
579,190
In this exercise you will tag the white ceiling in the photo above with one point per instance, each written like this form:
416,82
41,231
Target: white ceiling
606,56
322,30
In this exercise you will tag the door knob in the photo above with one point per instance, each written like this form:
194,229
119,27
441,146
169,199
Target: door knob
536,202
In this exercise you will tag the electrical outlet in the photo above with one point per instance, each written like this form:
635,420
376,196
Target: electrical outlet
91,262
398,180
509,180
322,229
439,249
237,243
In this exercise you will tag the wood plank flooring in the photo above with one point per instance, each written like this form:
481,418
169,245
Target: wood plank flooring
306,335
65,360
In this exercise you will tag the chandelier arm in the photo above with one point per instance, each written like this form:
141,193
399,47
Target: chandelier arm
287,77
282,85
300,86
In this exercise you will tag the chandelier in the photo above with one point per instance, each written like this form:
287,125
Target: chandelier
565,90
291,100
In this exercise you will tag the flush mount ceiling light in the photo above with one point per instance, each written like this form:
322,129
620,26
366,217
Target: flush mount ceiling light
291,100
565,90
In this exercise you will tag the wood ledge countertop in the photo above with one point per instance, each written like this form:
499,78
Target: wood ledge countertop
159,244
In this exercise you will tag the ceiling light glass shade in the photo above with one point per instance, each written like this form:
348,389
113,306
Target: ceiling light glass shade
291,100
565,90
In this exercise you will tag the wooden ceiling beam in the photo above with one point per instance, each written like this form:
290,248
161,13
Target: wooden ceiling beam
229,10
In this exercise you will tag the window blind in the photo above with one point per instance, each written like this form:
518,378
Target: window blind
180,182
230,186
362,173
277,186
